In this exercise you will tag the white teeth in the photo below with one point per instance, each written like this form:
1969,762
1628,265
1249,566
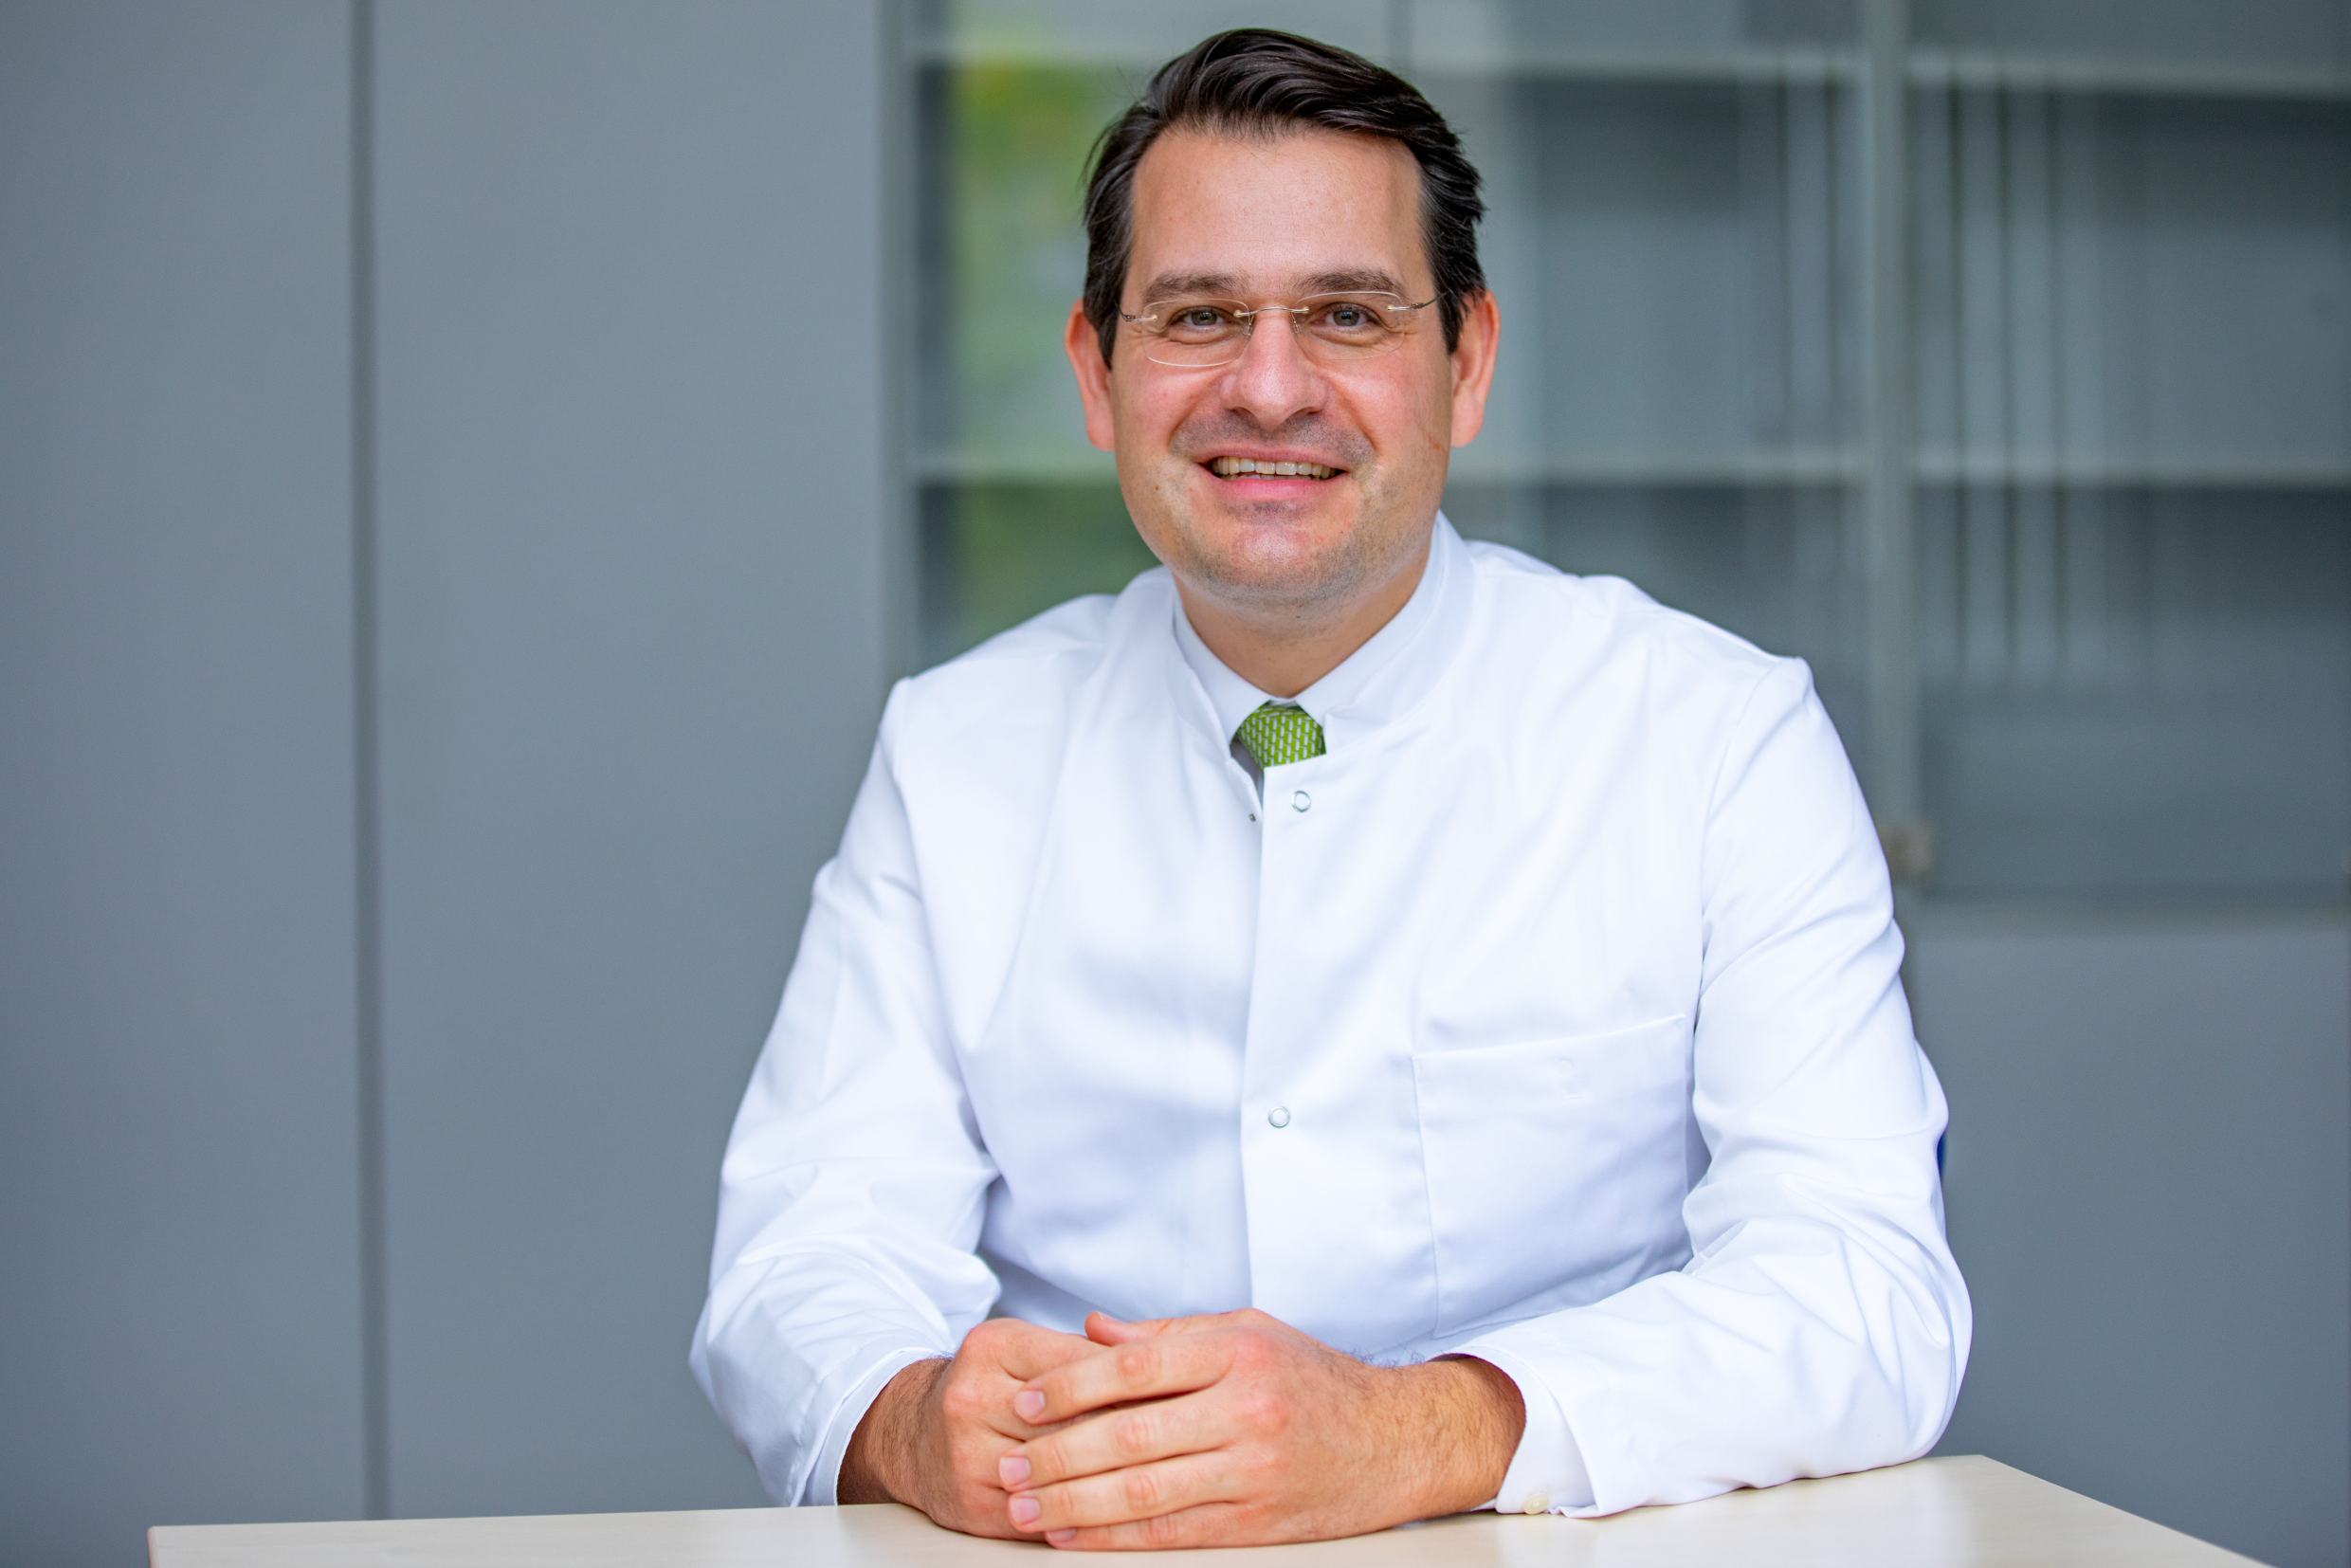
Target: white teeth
1226,467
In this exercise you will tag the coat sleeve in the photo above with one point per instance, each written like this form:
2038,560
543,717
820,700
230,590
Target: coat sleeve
1820,1326
852,1191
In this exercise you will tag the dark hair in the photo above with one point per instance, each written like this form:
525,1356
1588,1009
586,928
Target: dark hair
1255,82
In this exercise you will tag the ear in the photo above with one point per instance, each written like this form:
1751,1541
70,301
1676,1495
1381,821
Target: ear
1473,366
1083,346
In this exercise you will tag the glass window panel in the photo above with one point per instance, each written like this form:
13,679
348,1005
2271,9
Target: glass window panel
1645,41
1135,35
2137,690
2292,35
2134,450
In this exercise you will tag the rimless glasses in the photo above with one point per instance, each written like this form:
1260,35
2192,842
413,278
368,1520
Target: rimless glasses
1330,328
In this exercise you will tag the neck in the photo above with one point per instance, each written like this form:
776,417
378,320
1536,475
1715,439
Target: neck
1282,649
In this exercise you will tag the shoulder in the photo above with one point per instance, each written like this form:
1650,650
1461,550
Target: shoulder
1583,669
1603,627
1019,682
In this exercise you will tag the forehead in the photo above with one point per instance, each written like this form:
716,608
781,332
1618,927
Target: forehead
1273,212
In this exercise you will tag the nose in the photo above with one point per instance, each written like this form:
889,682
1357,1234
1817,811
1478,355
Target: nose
1273,381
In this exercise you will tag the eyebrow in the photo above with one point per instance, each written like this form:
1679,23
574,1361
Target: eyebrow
1355,281
1176,286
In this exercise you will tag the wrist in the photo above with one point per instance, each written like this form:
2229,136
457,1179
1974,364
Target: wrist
1473,1420
879,1463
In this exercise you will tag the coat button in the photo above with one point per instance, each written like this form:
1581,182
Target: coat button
1279,1116
1302,800
1536,1504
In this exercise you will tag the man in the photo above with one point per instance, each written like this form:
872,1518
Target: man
1359,1025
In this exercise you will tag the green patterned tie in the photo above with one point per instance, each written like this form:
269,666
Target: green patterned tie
1281,732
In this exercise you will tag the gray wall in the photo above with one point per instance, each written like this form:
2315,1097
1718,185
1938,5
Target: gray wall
179,1269
629,531
632,528
2149,1190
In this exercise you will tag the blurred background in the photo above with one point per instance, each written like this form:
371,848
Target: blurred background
469,470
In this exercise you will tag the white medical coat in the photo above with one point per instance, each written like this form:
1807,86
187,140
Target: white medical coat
1551,1016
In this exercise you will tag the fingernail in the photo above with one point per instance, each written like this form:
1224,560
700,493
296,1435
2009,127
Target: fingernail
1062,1538
1012,1470
1028,1404
1024,1511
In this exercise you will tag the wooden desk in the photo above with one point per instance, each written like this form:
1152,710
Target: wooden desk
1936,1513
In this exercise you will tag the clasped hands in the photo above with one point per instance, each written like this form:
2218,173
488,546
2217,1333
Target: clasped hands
1222,1431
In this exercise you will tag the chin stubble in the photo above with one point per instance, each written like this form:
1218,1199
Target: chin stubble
1366,554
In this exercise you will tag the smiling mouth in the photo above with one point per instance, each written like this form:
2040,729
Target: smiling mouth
1232,468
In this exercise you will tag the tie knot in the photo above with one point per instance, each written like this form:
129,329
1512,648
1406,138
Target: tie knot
1281,732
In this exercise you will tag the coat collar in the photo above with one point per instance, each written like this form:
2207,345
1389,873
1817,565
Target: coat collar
1376,683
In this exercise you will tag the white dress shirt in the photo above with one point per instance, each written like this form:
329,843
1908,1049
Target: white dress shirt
1551,1016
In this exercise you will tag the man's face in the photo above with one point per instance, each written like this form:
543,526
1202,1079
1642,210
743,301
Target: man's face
1272,222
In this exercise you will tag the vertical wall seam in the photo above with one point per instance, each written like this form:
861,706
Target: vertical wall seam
896,152
376,1434
1399,35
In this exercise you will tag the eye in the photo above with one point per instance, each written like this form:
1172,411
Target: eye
1202,321
1350,319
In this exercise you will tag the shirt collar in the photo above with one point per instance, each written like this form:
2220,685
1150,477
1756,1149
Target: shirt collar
1373,684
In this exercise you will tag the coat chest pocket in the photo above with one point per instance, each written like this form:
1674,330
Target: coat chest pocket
1556,1168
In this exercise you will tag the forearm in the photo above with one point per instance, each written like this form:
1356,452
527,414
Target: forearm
1791,1350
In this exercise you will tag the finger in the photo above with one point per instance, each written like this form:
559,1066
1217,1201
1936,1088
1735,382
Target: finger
1157,1428
1024,1352
1125,1497
1209,1524
996,1360
1104,1329
997,1416
1147,1369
